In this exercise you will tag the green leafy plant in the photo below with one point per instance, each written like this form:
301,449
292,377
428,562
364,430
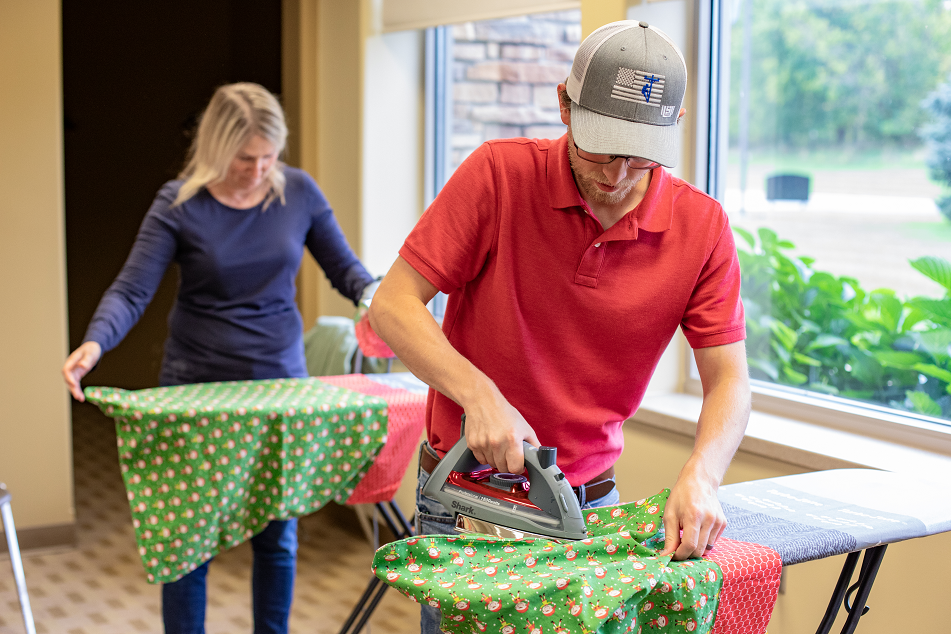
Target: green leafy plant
814,330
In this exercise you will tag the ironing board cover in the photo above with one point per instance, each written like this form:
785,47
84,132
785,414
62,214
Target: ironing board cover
207,465
405,397
615,581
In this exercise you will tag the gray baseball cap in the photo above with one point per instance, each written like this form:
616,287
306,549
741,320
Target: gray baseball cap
627,85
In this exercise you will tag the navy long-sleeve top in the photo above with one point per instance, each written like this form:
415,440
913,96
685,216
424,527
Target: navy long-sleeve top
235,316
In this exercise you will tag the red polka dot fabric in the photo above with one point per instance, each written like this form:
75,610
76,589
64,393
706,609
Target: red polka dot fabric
407,417
750,584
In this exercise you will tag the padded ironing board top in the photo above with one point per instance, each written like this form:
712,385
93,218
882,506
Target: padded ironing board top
824,513
206,466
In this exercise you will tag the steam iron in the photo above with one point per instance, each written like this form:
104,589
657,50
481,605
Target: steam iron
508,505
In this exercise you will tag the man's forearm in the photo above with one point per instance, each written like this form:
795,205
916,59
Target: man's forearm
693,506
720,428
405,324
725,412
398,314
494,429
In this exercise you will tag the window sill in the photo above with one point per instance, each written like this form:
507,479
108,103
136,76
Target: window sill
812,445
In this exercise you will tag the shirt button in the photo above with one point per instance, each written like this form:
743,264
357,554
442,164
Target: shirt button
597,244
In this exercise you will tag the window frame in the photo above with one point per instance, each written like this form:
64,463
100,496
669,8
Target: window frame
437,110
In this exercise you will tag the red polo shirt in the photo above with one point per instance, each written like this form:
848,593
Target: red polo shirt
570,320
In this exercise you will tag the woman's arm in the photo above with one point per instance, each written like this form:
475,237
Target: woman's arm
328,245
126,298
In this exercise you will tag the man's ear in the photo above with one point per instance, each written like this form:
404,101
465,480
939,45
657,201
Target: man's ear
565,111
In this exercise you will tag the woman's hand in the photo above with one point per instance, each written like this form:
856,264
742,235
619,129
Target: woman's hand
78,364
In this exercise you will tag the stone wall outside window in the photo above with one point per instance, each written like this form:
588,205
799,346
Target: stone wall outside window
504,77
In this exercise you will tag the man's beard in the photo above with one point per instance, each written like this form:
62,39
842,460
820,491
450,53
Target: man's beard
591,192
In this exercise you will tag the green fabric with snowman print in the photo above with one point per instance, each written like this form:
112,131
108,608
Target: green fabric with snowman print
612,582
207,465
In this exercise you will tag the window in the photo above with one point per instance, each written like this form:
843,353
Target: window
836,179
496,79
493,79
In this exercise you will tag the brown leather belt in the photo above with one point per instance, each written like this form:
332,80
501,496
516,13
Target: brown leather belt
596,488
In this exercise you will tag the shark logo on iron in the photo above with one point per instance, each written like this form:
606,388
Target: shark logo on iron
462,508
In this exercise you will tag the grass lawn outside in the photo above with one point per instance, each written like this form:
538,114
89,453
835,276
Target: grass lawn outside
939,231
831,159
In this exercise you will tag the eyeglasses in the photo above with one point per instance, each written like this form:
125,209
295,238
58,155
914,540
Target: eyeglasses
634,162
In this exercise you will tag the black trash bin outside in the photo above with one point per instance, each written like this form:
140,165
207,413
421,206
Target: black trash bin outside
787,187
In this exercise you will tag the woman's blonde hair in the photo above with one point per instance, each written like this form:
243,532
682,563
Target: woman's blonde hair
235,113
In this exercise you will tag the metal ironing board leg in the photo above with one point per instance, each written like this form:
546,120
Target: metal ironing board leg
843,592
401,529
9,529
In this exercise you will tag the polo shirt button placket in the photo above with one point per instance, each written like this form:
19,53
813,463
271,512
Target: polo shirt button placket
589,270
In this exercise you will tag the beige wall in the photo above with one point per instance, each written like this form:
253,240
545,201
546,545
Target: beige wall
324,69
392,185
35,456
399,15
345,83
597,13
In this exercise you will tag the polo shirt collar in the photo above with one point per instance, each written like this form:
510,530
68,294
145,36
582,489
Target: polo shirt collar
654,213
562,190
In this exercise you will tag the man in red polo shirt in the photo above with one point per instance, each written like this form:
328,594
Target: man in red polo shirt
569,264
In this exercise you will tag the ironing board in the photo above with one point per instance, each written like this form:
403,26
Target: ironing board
206,466
825,513
772,523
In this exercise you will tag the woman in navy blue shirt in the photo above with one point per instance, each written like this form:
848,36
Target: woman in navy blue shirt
236,222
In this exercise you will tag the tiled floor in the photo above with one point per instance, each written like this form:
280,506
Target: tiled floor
100,587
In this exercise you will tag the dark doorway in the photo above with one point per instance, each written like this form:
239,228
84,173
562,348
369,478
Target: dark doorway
135,78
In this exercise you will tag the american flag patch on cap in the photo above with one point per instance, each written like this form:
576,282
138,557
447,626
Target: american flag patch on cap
638,86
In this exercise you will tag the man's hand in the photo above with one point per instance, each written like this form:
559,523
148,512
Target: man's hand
693,508
495,431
